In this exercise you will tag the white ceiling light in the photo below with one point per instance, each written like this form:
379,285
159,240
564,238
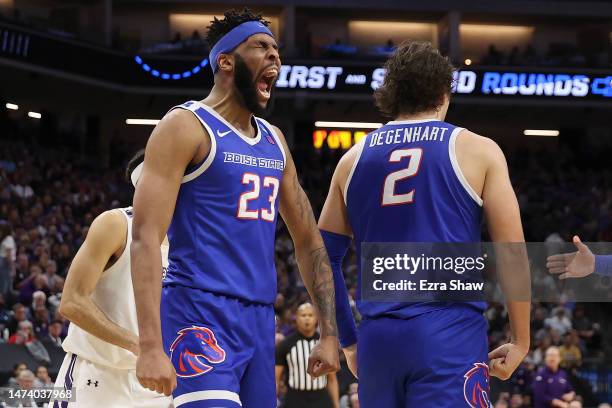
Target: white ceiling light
540,132
349,125
146,122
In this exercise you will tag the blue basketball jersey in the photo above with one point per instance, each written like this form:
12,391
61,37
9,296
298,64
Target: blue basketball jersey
406,186
223,228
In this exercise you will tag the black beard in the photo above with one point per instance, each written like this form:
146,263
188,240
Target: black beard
243,81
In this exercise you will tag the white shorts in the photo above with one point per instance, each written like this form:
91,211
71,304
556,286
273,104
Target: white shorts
99,386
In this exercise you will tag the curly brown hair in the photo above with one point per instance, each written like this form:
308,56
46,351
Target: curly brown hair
417,79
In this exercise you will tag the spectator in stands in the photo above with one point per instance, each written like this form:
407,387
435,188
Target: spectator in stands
8,251
55,283
571,357
41,322
22,269
35,282
22,188
24,334
551,387
39,299
540,351
25,381
516,401
63,258
5,319
17,368
55,333
559,321
538,317
587,331
42,378
19,315
287,322
522,378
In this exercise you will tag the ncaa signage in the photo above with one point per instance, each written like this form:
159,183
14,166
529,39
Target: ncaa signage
159,74
476,82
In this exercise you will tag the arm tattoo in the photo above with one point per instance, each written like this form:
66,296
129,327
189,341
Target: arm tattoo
323,290
317,263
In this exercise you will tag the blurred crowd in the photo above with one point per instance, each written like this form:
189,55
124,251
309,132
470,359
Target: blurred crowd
557,54
48,198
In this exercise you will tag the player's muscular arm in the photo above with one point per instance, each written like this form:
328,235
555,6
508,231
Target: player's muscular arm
336,231
504,223
106,237
309,249
177,141
311,257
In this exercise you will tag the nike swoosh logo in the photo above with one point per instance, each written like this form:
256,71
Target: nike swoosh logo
221,134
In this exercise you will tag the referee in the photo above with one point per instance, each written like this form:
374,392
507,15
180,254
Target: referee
292,354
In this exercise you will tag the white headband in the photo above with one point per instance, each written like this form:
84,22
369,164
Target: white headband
136,174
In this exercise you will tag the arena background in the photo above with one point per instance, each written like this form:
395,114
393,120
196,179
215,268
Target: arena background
74,75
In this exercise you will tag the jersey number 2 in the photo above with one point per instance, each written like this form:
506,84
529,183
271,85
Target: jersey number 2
414,161
243,202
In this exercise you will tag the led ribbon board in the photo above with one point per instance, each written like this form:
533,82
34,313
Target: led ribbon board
164,75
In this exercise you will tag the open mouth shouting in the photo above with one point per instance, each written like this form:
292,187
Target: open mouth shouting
266,82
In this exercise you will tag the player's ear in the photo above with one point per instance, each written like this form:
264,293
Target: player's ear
225,62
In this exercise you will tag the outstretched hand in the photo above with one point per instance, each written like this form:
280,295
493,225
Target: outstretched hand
574,264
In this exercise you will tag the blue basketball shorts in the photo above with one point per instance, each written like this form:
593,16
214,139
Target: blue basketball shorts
222,349
434,360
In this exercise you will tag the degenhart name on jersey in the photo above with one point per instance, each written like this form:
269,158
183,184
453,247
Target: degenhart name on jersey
408,135
229,157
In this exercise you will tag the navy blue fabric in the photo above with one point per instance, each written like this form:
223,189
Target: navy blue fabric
336,246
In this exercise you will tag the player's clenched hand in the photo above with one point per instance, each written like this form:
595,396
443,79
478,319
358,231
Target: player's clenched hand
324,357
350,353
155,371
505,359
572,265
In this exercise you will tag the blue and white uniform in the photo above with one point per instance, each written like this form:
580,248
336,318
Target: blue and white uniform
406,186
218,294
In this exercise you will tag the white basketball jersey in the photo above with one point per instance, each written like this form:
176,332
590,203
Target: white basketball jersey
114,295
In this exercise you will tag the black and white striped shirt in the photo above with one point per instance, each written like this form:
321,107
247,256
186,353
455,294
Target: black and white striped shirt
293,353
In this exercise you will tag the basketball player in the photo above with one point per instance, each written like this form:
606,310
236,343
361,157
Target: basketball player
98,299
432,186
215,177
